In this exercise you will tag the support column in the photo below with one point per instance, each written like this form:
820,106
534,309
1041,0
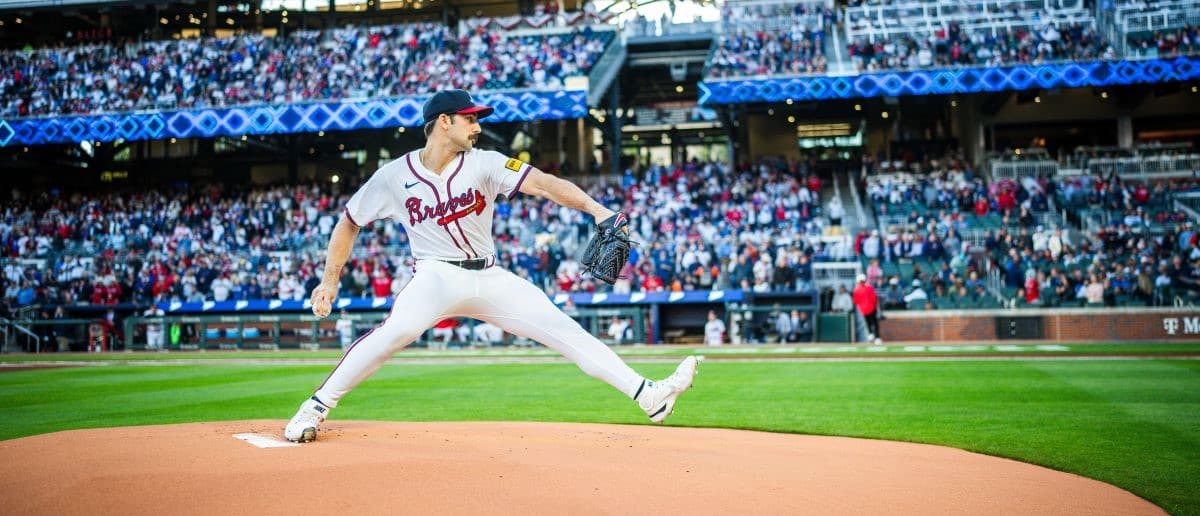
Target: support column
561,138
731,134
614,142
293,159
970,130
581,146
372,163
211,21
1125,131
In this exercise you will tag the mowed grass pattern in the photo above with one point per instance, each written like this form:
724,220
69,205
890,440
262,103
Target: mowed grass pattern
1135,423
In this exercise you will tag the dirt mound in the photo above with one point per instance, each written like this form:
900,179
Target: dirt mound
522,468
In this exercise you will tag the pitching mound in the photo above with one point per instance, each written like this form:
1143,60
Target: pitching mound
521,468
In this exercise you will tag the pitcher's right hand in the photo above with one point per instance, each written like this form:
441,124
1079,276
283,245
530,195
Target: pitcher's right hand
322,299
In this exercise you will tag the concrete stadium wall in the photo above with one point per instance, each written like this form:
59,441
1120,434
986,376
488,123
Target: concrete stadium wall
1056,325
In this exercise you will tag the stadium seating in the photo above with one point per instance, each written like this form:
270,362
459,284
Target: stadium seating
910,34
304,66
762,39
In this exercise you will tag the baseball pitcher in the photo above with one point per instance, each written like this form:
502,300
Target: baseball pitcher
444,194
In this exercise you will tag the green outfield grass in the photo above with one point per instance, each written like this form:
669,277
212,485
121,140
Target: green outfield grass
1133,423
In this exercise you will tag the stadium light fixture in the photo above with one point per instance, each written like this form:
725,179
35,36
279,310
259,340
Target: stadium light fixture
1194,89
320,133
335,179
791,119
771,112
635,138
341,146
162,20
1037,100
1104,94
401,130
173,140
884,114
789,102
18,20
678,88
858,107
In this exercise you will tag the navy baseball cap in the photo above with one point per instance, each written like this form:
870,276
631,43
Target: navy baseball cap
452,102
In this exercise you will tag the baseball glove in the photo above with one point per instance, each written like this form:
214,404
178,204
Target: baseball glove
608,249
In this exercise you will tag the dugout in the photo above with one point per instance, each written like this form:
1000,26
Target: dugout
682,321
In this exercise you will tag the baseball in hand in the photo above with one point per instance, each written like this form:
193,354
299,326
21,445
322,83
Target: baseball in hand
322,300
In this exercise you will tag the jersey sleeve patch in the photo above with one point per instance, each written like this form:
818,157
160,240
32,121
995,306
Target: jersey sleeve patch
514,164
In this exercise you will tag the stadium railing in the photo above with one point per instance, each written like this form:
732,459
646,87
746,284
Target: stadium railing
893,19
1188,203
1129,18
1146,167
1020,169
304,331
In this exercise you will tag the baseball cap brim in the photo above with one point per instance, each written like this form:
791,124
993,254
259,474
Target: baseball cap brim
479,111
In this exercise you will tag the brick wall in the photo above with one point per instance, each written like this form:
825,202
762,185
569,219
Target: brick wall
1126,324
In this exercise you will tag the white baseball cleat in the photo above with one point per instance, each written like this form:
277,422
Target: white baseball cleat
657,399
303,426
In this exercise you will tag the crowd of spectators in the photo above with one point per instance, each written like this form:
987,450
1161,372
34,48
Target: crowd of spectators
955,46
704,226
1146,254
303,66
1166,43
753,44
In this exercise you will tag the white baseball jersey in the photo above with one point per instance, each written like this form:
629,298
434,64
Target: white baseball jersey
448,216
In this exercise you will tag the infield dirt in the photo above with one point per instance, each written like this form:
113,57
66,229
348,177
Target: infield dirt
523,468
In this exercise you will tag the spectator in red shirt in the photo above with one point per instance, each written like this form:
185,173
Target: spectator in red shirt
981,206
652,283
1032,288
381,283
1006,201
1142,194
868,305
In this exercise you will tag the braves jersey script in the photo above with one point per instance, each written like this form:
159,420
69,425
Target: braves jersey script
448,216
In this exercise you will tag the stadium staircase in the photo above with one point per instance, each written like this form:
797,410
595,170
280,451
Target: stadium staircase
606,69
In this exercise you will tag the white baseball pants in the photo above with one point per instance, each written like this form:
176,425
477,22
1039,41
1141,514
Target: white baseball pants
439,290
